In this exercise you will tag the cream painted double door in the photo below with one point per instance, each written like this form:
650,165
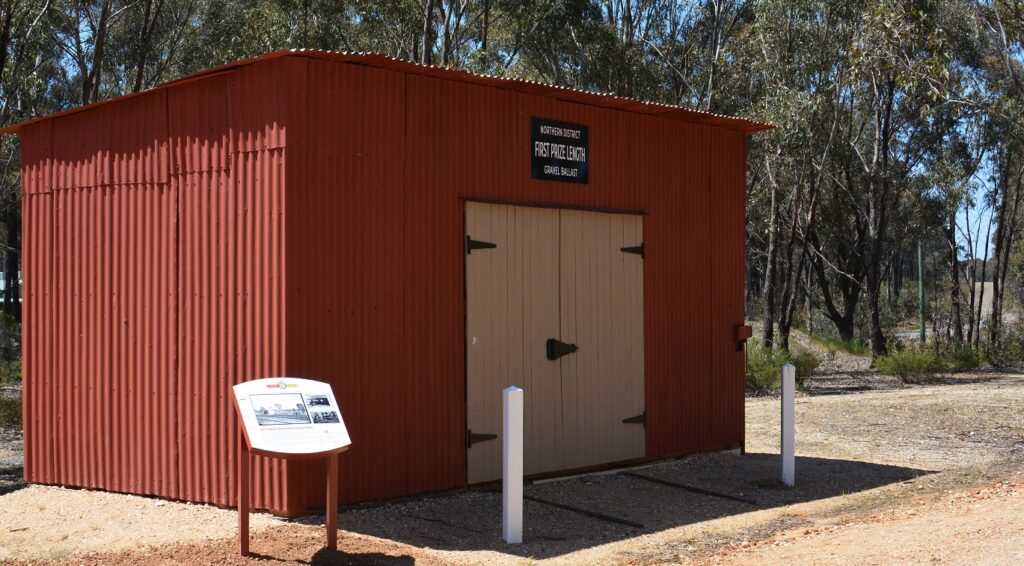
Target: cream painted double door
540,274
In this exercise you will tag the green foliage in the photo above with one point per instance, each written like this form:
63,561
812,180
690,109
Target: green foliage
911,362
884,109
834,344
10,413
764,366
963,358
918,360
1010,350
10,349
10,371
805,363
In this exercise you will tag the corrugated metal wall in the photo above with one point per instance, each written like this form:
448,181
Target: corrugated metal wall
165,261
39,415
156,228
728,208
376,259
228,136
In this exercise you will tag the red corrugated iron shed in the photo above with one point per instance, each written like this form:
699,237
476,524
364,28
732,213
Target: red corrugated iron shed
302,213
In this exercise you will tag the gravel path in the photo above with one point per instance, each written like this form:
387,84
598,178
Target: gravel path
860,454
47,523
981,526
11,449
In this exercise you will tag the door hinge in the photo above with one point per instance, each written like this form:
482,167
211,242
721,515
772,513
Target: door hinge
473,438
639,419
638,250
472,244
556,348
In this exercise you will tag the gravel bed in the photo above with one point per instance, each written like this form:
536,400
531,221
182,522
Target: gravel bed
11,449
856,453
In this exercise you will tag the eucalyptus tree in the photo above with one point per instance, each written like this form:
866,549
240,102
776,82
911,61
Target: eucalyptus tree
795,57
895,43
28,72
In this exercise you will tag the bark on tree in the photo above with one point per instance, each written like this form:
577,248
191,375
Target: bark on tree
150,16
428,32
954,282
848,282
12,263
981,293
768,297
92,73
1006,229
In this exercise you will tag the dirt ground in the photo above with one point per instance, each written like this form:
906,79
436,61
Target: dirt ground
981,526
886,472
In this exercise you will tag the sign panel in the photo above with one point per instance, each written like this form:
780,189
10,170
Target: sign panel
559,151
290,415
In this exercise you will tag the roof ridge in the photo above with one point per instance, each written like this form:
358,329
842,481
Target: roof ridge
609,100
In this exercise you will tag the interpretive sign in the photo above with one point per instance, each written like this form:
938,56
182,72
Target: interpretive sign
559,151
290,418
289,415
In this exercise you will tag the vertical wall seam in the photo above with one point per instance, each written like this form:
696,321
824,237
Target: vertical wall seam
175,184
711,353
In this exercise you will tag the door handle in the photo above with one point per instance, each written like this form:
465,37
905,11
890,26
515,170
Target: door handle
556,348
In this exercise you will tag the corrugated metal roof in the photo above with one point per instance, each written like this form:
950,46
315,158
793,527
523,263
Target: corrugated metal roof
401,65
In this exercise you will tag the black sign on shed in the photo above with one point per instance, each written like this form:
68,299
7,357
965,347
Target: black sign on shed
559,151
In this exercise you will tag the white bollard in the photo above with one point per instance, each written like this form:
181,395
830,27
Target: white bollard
788,472
512,466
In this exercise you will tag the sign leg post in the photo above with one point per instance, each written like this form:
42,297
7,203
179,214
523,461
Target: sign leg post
243,497
332,502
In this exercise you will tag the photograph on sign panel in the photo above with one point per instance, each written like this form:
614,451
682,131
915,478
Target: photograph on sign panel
279,409
317,400
321,417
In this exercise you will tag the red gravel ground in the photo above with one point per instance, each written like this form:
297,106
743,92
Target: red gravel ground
286,544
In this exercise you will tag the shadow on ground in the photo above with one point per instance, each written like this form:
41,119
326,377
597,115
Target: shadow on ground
841,383
472,520
324,557
12,478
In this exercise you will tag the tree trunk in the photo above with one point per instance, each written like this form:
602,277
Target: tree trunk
793,276
768,306
954,282
428,32
873,278
849,290
149,19
971,274
809,300
12,263
1005,232
5,37
91,83
485,25
981,292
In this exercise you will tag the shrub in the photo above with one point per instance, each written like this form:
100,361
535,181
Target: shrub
805,363
764,366
1010,351
963,358
10,413
836,344
911,362
10,372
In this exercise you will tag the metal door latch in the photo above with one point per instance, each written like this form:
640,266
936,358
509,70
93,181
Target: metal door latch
472,244
473,438
557,348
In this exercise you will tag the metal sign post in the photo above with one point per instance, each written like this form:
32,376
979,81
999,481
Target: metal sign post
292,419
